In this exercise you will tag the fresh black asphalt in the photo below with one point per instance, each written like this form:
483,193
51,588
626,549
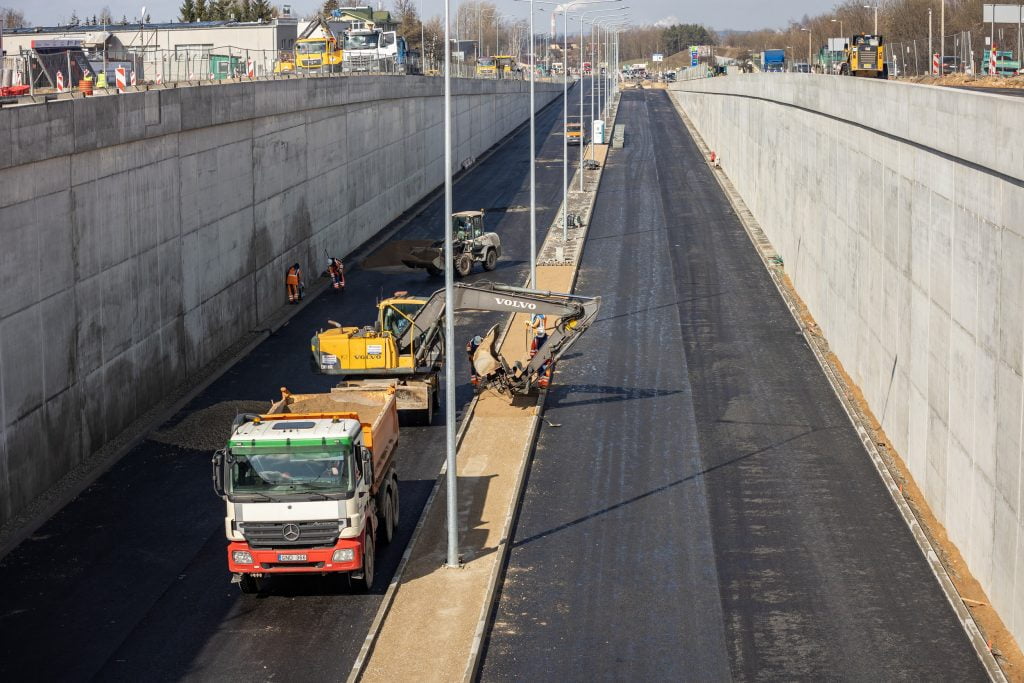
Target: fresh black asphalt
705,510
129,580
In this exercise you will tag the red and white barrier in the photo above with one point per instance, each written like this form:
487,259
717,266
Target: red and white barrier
60,81
992,60
120,79
250,68
159,78
935,64
134,82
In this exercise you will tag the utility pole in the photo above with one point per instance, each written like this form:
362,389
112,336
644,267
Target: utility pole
930,53
942,38
449,308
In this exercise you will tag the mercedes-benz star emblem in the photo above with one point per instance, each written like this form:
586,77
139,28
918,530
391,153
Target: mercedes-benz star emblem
291,532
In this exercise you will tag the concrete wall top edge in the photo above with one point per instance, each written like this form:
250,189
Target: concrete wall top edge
979,128
37,132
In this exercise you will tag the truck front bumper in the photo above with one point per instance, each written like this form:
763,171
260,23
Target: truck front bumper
294,561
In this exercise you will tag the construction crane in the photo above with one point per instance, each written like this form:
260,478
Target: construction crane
407,342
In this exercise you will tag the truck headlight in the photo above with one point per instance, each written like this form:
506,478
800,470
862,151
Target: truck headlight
343,555
241,556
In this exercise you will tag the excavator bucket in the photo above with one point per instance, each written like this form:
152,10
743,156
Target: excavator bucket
425,256
486,360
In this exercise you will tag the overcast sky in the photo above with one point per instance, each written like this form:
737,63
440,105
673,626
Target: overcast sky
718,14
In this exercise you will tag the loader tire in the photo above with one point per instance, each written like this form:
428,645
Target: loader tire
491,260
464,265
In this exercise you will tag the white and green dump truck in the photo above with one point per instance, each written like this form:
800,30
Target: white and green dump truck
311,486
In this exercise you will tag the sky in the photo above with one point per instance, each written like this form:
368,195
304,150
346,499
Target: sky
719,14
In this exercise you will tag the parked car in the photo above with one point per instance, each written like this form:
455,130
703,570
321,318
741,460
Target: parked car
951,64
802,68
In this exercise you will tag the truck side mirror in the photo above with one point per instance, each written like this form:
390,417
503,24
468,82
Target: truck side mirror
218,473
368,465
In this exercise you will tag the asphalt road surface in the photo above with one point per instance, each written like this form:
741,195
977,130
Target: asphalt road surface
129,581
705,511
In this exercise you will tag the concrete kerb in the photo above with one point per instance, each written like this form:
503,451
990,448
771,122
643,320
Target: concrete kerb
765,252
76,481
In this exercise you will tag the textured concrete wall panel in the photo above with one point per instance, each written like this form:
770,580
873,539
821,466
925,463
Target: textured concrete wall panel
146,233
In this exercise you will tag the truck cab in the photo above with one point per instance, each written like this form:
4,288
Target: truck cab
486,68
306,492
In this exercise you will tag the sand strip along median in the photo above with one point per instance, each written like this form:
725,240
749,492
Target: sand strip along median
435,622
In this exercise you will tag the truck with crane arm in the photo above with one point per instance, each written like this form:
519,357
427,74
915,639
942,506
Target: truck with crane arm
407,343
319,53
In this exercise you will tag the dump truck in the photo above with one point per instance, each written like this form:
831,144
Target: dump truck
865,56
773,61
471,243
407,342
319,53
486,68
310,486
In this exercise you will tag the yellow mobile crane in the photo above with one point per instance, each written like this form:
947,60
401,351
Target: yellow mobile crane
407,342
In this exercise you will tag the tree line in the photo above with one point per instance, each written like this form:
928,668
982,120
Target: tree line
226,10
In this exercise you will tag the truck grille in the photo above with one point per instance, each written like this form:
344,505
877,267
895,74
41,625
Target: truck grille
283,534
868,58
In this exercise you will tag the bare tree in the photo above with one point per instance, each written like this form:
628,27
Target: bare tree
408,18
13,18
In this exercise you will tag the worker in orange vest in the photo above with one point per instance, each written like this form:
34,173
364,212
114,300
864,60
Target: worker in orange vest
336,271
293,283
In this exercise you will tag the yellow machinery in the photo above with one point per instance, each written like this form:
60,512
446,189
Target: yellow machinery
318,53
486,68
574,132
504,65
407,342
865,56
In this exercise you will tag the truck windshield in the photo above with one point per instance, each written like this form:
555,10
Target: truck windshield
290,471
361,42
311,47
486,61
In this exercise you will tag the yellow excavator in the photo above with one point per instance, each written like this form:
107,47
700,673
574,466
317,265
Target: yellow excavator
407,342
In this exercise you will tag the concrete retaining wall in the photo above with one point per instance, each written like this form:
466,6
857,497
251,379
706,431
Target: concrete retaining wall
144,234
905,237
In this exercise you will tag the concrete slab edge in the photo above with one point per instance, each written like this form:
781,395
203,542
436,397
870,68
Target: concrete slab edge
764,251
505,542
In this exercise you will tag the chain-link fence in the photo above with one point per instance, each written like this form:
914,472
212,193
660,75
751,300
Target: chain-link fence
64,70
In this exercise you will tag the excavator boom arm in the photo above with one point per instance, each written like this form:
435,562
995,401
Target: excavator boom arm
574,314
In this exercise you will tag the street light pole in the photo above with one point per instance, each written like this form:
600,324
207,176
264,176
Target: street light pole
449,309
875,7
533,156
582,127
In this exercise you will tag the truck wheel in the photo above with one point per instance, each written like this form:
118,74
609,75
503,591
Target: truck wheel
464,265
491,260
364,584
395,508
389,517
434,272
249,584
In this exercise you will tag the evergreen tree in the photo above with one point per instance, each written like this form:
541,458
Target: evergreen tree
262,10
202,11
124,20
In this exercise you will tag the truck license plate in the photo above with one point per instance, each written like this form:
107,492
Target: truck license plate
291,558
